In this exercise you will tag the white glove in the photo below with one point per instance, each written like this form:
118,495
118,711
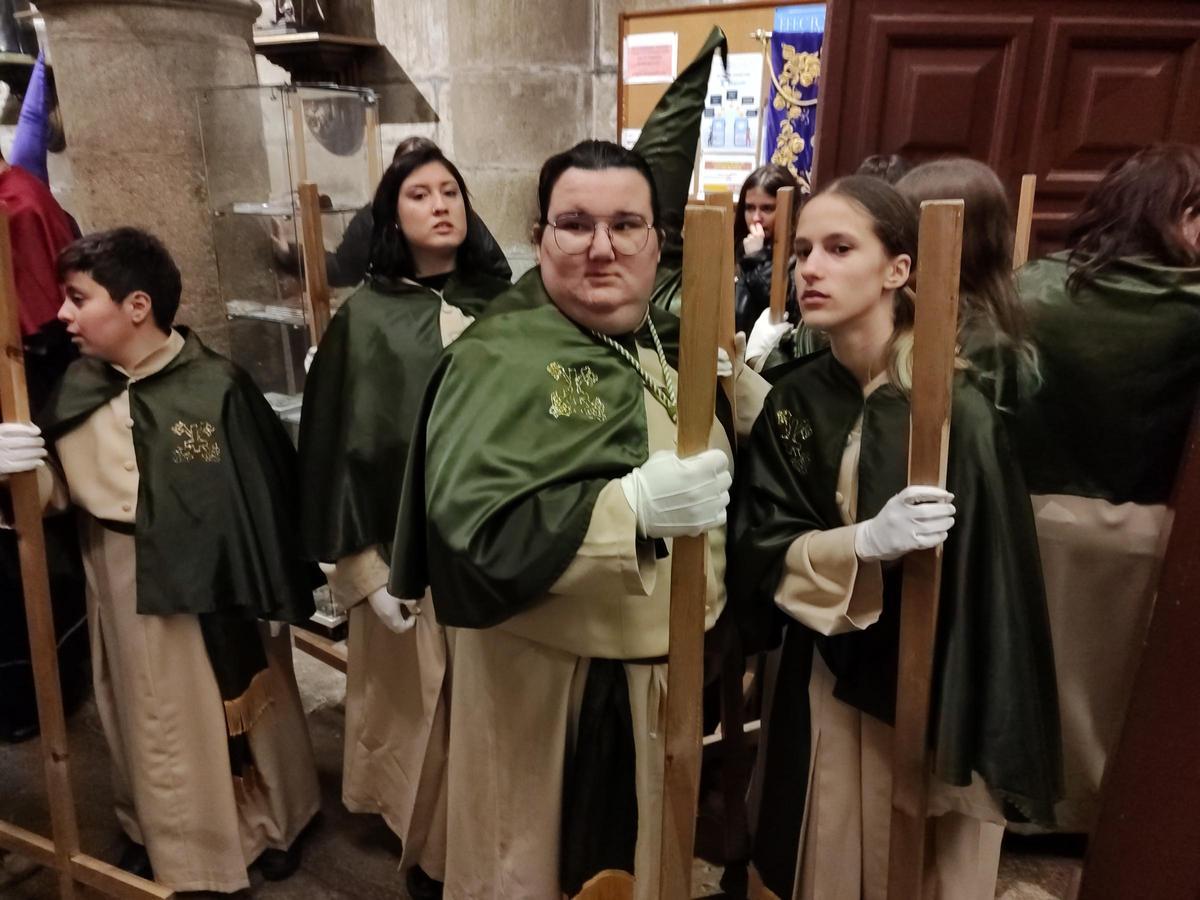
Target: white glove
731,368
308,358
674,497
21,448
276,628
917,518
754,241
765,336
396,614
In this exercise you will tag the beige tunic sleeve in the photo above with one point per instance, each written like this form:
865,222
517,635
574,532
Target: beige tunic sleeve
824,585
611,550
750,390
357,576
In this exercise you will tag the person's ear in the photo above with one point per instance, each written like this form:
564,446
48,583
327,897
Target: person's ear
898,271
538,231
139,307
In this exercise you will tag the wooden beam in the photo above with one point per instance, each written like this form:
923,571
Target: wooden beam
31,543
113,882
316,280
329,652
1024,221
934,338
781,251
706,229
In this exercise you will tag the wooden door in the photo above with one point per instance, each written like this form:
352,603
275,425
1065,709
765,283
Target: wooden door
1060,90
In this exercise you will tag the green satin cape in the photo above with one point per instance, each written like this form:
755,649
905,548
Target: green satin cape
995,706
360,402
1120,363
524,421
217,498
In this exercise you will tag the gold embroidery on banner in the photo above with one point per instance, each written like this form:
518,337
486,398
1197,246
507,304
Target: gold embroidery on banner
198,443
575,397
800,70
795,433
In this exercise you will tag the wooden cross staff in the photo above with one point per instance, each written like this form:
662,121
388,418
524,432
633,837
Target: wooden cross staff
781,251
934,337
702,266
1024,221
706,228
62,853
723,200
316,279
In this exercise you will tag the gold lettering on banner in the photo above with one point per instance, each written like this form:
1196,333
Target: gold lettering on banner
576,398
197,443
795,434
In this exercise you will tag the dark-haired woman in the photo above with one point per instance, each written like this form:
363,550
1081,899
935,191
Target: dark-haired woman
753,240
823,518
427,281
1116,323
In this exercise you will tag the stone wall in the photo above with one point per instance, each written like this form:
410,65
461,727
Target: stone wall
510,83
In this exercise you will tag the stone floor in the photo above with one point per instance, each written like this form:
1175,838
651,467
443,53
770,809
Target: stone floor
346,857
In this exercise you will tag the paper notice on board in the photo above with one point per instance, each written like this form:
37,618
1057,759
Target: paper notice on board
651,58
629,137
729,133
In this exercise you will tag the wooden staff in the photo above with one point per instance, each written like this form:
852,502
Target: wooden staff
934,337
1024,221
781,251
705,229
63,852
316,280
723,200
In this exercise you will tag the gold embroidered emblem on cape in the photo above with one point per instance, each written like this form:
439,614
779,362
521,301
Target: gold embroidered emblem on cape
794,432
197,442
575,397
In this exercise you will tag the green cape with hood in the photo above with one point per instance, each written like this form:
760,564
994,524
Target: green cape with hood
995,707
361,401
1120,367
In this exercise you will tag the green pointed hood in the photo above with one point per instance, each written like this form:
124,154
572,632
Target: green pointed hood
669,138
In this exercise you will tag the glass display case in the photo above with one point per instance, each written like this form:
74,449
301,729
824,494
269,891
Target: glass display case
261,144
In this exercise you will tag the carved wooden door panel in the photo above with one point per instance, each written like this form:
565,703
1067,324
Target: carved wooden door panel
1061,90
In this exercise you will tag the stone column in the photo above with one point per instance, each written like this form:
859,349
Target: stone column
127,71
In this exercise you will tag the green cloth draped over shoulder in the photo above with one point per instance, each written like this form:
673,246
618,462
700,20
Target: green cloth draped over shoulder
217,491
1120,367
215,529
995,701
360,404
525,419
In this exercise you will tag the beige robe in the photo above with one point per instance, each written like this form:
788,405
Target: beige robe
1101,564
157,697
844,837
397,700
518,686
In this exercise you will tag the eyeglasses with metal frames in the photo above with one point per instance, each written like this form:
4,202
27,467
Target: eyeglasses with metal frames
575,232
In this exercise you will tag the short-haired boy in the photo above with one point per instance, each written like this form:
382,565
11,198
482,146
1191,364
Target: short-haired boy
189,485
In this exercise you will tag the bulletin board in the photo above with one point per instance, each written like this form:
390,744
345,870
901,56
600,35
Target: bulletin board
691,27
